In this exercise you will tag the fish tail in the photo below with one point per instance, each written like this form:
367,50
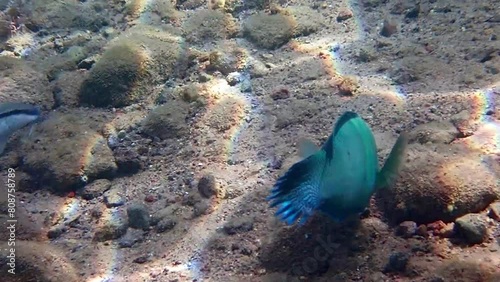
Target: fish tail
389,172
297,192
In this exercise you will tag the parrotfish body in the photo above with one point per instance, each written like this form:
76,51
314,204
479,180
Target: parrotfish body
339,178
14,116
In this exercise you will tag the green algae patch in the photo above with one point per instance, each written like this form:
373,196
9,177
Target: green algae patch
132,66
116,78
167,121
206,25
269,31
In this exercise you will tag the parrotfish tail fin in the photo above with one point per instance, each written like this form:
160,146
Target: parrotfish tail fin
389,172
297,193
306,148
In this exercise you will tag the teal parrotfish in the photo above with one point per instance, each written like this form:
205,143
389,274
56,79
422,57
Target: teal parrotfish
14,116
339,178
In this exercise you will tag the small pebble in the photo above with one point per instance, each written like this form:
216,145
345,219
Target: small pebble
406,229
472,227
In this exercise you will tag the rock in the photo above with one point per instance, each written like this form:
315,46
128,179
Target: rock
167,213
165,224
434,132
66,151
130,238
56,231
472,227
141,259
407,229
280,93
422,231
131,66
433,186
21,83
158,12
397,262
113,225
67,87
64,14
207,186
466,123
113,79
447,231
222,26
239,225
38,261
95,189
167,121
227,61
201,208
269,31
344,15
495,211
233,78
138,216
307,20
388,29
257,68
127,160
113,198
348,86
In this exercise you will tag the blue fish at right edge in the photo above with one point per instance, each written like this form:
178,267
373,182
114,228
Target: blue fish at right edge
339,178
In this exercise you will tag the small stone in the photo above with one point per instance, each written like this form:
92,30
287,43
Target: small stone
128,160
138,216
348,86
141,259
257,69
56,231
204,77
112,198
406,229
447,231
165,224
344,14
150,198
413,12
112,228
95,189
495,211
233,78
207,186
86,63
388,29
280,93
96,213
201,208
239,225
397,262
246,86
436,226
422,231
130,238
472,227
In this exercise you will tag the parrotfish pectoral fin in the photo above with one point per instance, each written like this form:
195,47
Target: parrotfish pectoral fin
296,193
389,172
306,148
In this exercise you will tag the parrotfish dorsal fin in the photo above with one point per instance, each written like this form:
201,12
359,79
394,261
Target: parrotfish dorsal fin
306,148
389,172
